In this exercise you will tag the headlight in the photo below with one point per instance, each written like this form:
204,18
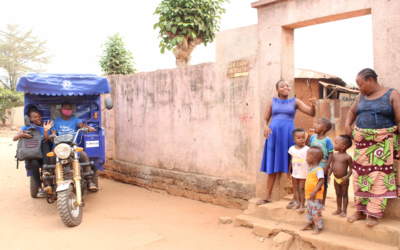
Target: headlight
63,151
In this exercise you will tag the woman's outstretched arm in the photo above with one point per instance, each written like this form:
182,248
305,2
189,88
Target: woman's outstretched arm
306,109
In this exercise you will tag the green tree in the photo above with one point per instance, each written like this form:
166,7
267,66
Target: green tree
20,52
184,24
116,59
8,99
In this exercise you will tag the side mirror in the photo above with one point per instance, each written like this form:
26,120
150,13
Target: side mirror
108,102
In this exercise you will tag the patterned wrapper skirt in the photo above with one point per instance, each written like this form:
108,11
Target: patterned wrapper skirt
374,173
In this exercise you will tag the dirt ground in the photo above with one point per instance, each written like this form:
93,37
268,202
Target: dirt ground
120,216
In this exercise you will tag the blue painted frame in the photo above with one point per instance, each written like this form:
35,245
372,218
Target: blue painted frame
85,107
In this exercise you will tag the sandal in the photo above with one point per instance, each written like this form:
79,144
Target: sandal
262,202
300,210
372,222
355,217
292,204
307,227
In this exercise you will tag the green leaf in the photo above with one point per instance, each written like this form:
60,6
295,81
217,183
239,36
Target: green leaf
189,19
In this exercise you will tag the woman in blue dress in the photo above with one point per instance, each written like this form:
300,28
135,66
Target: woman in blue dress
278,133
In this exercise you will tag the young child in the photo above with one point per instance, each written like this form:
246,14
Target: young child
322,127
314,190
341,166
299,167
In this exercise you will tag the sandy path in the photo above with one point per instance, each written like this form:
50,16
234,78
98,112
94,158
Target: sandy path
120,216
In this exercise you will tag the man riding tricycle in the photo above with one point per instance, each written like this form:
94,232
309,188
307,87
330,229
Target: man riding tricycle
62,141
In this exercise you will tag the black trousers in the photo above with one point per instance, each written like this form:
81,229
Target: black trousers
33,166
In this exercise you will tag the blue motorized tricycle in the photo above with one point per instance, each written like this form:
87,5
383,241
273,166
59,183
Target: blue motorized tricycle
63,175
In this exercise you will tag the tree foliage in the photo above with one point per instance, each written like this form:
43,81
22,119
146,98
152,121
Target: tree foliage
20,52
116,59
9,99
184,24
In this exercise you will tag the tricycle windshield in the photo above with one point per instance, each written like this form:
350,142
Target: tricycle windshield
67,138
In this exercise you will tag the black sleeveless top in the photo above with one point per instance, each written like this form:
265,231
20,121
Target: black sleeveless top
375,114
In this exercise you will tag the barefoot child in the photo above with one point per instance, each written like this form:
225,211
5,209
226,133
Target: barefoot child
299,167
322,127
341,166
314,190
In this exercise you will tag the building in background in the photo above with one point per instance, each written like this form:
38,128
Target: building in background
334,97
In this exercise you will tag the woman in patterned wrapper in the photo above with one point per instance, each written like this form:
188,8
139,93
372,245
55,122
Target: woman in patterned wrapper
376,113
281,112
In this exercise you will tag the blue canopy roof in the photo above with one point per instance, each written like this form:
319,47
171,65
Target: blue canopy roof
63,84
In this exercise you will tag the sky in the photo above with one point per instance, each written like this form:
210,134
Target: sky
75,32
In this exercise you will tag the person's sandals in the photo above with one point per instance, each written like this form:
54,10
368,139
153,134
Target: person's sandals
292,204
316,230
309,226
300,210
337,212
355,217
262,202
41,193
372,222
92,187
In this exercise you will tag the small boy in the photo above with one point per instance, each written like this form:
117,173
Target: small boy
298,165
322,127
341,166
314,190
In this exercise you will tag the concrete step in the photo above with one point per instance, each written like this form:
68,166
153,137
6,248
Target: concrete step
387,232
324,241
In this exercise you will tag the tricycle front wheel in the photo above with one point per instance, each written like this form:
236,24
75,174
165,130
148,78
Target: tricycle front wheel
69,211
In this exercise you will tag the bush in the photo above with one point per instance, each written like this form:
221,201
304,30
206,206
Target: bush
116,60
9,99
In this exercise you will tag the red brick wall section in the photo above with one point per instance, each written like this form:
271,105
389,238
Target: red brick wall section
302,91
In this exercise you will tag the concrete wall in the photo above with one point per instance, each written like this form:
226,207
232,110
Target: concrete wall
190,125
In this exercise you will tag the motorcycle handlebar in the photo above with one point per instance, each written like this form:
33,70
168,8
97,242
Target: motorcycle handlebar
77,133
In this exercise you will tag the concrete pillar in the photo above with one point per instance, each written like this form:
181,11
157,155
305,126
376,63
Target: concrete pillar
386,41
275,61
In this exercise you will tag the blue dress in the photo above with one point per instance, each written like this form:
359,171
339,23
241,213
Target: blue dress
276,156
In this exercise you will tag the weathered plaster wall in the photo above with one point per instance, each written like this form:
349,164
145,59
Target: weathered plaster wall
183,119
386,41
193,121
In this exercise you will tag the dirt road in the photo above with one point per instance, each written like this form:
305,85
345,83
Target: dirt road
119,217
